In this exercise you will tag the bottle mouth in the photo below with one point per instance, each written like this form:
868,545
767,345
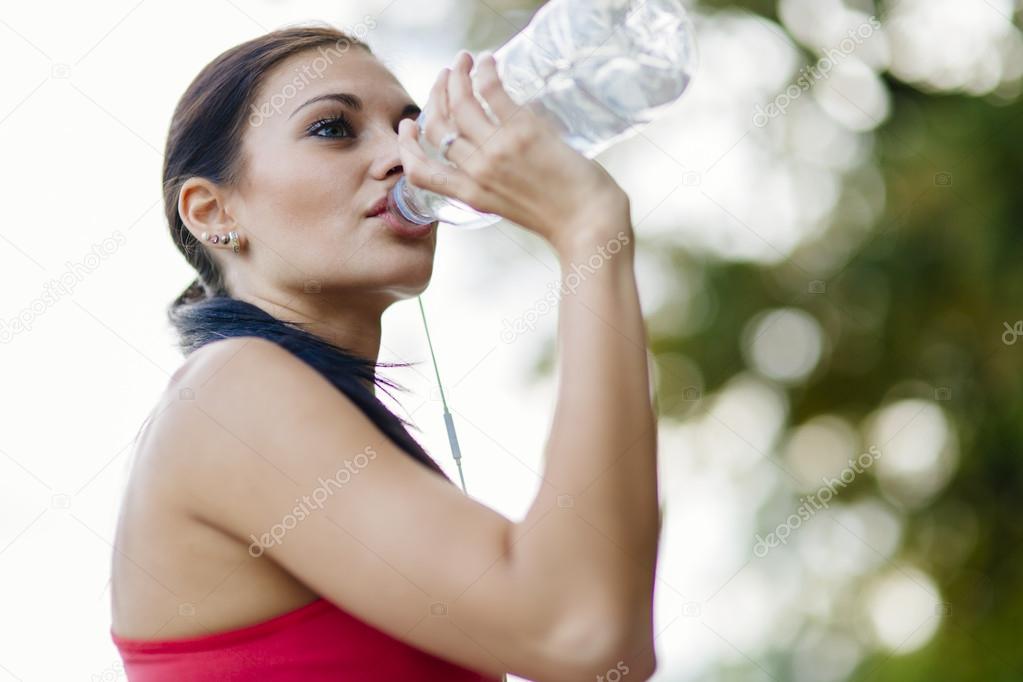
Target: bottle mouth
396,201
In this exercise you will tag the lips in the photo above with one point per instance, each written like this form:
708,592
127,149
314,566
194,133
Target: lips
378,208
396,222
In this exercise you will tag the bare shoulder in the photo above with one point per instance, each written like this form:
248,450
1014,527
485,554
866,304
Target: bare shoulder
238,378
217,411
230,361
231,395
197,443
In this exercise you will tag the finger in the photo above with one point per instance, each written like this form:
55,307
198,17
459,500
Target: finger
431,175
493,91
465,110
461,150
441,93
437,121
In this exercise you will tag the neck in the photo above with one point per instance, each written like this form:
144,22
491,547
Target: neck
355,329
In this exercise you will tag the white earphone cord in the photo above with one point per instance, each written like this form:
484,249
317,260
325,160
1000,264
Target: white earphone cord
456,452
448,422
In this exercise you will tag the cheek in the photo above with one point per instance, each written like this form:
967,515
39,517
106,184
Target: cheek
305,191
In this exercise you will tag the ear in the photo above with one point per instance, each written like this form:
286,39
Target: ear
202,205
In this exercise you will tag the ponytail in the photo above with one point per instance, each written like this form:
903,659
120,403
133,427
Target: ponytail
193,293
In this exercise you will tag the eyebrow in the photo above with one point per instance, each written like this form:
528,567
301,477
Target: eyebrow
353,102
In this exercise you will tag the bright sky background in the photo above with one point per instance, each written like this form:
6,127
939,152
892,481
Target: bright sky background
88,93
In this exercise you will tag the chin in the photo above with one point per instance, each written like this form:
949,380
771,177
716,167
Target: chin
409,288
409,281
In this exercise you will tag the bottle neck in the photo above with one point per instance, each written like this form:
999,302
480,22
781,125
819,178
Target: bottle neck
399,201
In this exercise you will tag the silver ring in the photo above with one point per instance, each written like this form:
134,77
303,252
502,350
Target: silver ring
445,144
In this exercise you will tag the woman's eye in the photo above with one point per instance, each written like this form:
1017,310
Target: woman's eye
334,127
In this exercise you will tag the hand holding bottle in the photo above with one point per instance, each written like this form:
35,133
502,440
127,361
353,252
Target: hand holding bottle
518,166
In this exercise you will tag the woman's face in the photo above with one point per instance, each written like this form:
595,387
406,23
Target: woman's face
320,149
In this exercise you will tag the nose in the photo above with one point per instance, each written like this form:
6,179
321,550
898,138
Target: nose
387,160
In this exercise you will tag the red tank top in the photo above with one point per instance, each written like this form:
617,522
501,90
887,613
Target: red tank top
313,643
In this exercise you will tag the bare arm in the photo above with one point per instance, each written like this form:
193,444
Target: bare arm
603,441
591,537
593,530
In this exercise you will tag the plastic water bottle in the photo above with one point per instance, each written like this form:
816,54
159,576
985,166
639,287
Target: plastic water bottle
597,69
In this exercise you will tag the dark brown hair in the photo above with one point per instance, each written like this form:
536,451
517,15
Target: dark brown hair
207,127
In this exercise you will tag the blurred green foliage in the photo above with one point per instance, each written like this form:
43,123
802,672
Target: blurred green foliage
941,275
937,281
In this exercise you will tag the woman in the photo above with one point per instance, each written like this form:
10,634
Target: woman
280,523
